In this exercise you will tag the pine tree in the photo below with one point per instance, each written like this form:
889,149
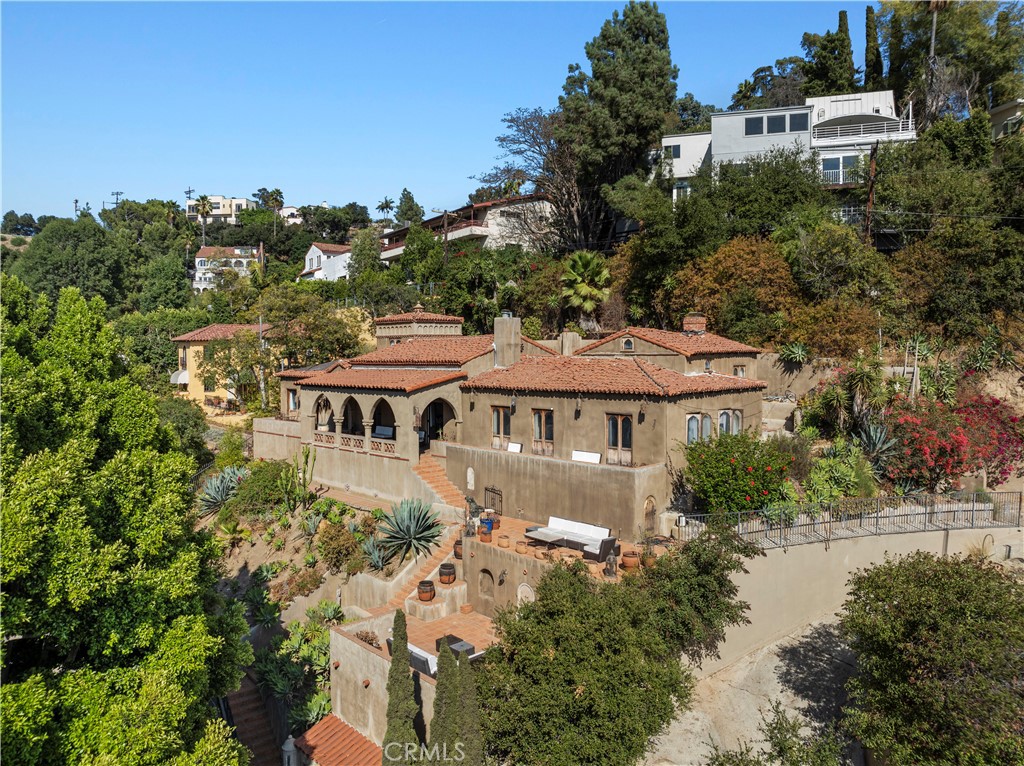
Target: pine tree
402,707
874,77
446,726
408,210
847,71
472,737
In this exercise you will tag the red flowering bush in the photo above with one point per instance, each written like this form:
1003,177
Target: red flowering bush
995,434
736,473
932,447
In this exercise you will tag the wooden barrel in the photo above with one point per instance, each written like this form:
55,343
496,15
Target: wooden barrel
446,573
485,535
458,549
503,541
426,590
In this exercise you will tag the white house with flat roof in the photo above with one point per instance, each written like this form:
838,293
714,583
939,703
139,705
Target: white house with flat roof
841,129
223,209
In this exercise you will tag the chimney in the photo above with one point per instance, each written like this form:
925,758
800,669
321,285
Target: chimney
695,322
508,339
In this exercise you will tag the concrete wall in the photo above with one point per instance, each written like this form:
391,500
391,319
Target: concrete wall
274,439
790,587
484,564
364,705
535,488
671,360
799,378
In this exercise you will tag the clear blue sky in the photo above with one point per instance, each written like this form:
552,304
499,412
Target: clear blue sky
328,101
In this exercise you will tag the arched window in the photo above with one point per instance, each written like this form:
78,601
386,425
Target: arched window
627,344
724,423
705,427
737,421
324,415
692,429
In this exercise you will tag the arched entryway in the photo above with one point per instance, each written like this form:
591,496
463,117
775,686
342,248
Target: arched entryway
352,418
438,423
324,415
383,420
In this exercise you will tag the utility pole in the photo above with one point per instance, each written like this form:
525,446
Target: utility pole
188,193
76,208
444,228
871,194
117,197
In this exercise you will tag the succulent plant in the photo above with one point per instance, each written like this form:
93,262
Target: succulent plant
411,527
267,614
877,445
794,353
220,488
377,556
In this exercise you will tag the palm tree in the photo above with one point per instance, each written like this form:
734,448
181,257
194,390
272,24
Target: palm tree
203,209
385,207
275,201
585,285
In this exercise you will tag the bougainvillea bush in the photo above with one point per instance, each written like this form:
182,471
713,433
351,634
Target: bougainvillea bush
995,434
932,447
736,472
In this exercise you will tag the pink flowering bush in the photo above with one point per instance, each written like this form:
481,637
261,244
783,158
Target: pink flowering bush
995,434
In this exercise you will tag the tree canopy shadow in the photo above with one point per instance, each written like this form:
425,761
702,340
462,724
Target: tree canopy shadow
816,667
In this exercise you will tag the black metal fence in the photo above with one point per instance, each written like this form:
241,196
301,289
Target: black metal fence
785,525
198,476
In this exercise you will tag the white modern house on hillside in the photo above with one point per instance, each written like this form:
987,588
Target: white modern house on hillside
223,209
325,261
212,261
841,129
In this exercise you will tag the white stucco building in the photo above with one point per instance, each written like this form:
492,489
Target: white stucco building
212,261
224,209
325,261
841,129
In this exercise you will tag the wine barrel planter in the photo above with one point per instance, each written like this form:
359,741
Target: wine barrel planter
503,541
631,560
446,573
522,546
485,535
426,590
458,549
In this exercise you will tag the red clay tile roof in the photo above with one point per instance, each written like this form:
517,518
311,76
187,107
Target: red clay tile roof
210,251
449,350
387,380
217,332
332,742
327,247
300,373
603,375
682,343
541,346
418,316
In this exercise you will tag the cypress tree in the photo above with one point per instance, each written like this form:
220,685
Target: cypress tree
402,707
472,737
446,726
874,77
847,73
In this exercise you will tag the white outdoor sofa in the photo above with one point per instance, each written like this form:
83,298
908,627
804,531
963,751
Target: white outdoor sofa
597,543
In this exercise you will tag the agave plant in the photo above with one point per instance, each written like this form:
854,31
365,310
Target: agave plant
307,714
411,527
265,572
326,612
267,614
794,353
377,556
220,488
309,526
255,597
877,445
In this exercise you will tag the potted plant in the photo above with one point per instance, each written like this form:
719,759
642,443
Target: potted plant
631,560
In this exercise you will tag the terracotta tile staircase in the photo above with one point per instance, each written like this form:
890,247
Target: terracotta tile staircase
252,724
442,553
433,473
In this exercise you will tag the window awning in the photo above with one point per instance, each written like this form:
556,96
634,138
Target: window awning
179,378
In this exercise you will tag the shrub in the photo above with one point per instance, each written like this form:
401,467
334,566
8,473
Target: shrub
260,493
230,450
337,546
932,448
798,448
302,583
842,471
996,436
18,241
368,637
738,472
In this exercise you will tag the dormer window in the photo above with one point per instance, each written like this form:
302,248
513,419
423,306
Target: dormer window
627,344
878,110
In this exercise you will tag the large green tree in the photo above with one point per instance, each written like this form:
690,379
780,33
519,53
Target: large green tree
408,210
165,285
940,657
828,68
874,71
114,636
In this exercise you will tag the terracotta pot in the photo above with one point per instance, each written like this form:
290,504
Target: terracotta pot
496,521
541,554
522,546
458,549
631,560
425,590
485,535
466,608
446,573
502,541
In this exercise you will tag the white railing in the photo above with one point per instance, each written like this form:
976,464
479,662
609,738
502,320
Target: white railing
844,176
865,129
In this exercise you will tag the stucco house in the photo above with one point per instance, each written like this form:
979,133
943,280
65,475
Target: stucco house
192,348
325,260
590,435
212,261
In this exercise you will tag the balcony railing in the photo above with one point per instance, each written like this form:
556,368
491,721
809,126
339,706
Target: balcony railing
440,232
349,441
383,446
323,437
843,176
864,129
